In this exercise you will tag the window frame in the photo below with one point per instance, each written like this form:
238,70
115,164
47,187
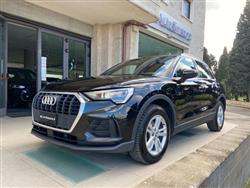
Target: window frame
206,68
190,2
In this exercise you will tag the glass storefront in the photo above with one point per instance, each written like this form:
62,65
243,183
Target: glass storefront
77,60
22,68
150,46
31,57
52,57
62,57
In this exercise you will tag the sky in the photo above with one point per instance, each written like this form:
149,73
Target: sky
221,23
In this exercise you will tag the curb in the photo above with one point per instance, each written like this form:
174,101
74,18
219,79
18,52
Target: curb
220,163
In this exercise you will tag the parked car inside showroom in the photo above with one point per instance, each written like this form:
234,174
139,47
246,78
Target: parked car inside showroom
21,87
133,107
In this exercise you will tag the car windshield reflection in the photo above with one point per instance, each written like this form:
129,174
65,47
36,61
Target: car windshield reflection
153,66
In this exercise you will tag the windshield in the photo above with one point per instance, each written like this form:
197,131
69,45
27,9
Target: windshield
153,66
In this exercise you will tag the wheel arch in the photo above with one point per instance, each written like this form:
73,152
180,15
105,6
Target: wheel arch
163,101
222,98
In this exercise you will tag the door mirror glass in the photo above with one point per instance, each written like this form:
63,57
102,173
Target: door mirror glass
188,73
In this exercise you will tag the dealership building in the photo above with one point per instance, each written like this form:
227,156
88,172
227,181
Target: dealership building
57,39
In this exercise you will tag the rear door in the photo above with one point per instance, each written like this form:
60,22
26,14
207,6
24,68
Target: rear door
206,100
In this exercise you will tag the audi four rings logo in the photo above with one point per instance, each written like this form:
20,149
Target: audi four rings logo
49,100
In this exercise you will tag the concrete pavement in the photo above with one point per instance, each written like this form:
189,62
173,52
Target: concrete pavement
18,169
238,110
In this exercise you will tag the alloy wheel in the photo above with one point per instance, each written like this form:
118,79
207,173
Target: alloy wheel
156,135
220,116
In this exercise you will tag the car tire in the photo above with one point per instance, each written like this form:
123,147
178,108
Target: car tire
146,131
217,123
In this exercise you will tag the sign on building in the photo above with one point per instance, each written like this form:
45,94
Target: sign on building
173,28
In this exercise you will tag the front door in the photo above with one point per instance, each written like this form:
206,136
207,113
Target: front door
3,77
187,91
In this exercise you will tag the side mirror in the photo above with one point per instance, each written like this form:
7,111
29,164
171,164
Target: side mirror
186,74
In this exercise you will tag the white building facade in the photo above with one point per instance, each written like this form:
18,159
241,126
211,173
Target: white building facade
74,39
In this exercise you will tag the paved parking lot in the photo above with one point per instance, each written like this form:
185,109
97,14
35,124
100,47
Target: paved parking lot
28,161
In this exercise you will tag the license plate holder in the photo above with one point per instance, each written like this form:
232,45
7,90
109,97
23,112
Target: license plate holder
48,118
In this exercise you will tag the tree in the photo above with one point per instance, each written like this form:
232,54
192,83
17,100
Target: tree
206,58
239,67
222,73
223,66
209,59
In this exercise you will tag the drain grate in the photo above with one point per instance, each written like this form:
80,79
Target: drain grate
69,165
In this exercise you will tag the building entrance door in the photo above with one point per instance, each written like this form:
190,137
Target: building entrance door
22,68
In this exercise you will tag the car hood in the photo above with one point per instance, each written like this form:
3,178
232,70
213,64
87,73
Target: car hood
97,83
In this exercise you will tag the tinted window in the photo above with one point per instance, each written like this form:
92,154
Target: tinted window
203,72
184,64
154,66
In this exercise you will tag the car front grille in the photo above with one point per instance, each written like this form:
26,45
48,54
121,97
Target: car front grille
64,111
66,104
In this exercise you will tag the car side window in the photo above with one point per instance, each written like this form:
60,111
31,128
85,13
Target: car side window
203,72
184,64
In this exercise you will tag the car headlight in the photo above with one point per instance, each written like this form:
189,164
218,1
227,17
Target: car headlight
118,96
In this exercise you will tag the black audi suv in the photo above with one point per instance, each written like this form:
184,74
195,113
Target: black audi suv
133,107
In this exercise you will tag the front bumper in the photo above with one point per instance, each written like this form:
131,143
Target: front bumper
98,126
120,148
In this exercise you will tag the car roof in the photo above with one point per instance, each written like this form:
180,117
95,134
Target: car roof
173,56
154,57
